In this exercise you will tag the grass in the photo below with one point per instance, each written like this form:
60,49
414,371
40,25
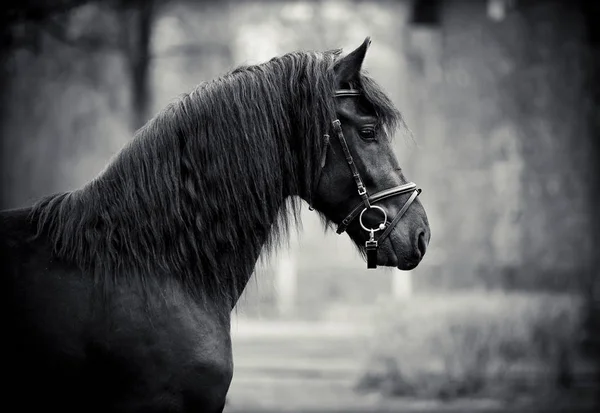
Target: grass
476,345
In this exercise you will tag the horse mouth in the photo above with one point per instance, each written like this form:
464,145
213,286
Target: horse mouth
400,258
407,266
394,253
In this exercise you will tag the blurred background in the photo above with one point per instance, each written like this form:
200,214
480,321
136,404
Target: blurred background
502,99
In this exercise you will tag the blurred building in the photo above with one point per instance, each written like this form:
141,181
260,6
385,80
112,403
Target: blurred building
493,91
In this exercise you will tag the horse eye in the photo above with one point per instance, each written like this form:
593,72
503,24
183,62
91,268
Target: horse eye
367,133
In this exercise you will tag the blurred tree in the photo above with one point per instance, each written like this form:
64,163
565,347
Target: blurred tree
138,19
23,22
586,13
591,14
29,12
83,36
426,12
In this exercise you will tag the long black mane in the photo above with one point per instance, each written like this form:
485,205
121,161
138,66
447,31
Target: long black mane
178,198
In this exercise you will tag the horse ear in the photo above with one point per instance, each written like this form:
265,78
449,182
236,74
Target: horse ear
348,67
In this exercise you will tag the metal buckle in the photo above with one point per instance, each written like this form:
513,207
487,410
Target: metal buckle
362,190
371,245
371,250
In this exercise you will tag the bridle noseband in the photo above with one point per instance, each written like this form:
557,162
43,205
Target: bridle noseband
367,200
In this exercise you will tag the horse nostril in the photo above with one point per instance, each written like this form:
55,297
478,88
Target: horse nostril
421,243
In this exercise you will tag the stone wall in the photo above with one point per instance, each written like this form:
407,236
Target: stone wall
516,144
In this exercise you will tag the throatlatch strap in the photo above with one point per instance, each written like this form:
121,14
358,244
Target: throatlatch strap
324,151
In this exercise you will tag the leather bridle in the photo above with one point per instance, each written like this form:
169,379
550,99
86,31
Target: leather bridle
367,201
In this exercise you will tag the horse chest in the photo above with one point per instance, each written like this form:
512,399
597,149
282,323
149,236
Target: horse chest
171,354
132,352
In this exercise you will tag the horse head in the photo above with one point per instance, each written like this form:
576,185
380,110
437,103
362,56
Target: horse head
361,186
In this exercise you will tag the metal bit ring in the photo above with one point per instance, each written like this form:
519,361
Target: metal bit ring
381,226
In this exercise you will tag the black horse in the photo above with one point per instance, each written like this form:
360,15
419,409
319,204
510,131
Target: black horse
117,296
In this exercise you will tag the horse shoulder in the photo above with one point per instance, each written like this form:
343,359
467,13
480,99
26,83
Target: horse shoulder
162,350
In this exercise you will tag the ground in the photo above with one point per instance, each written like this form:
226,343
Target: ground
298,367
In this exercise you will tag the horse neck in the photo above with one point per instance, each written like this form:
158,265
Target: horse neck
183,217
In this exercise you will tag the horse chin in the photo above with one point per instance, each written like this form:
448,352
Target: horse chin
393,252
396,253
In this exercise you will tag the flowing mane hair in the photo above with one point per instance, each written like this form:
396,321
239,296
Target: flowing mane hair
177,200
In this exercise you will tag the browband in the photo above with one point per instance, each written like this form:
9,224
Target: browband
346,92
